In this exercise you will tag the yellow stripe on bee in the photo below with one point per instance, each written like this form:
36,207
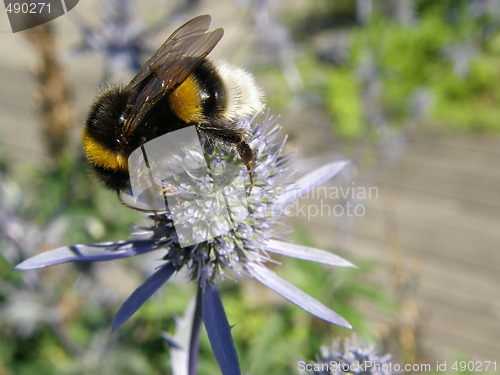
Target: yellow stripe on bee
102,156
185,101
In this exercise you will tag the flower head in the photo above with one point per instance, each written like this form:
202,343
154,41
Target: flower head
352,356
121,38
233,229
236,231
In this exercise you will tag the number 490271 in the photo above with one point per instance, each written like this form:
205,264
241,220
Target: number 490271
28,8
475,366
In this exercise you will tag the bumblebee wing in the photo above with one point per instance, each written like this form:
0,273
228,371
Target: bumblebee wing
171,64
177,45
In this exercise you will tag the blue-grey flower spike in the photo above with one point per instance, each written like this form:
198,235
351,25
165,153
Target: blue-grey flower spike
87,253
142,294
308,182
219,331
296,296
307,253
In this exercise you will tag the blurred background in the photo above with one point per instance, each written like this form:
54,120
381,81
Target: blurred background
408,90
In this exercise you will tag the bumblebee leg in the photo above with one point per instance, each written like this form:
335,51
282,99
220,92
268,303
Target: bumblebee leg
233,137
246,155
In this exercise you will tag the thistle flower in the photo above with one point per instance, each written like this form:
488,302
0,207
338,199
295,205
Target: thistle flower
242,250
353,356
121,38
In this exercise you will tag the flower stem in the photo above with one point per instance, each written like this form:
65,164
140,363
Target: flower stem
195,334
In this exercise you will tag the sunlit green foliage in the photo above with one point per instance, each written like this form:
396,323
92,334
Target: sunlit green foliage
444,52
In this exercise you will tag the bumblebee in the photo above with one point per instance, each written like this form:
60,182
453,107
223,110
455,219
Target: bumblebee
176,87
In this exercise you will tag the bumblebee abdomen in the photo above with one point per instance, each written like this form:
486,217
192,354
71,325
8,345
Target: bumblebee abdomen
102,130
186,101
100,155
201,97
214,92
242,95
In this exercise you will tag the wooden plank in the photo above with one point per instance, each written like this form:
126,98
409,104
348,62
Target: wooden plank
440,137
18,85
446,211
442,219
453,269
441,268
460,186
473,162
447,328
20,138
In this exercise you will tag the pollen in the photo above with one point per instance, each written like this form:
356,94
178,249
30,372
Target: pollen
185,101
102,156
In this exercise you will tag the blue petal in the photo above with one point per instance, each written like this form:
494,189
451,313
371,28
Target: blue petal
142,294
295,295
219,331
310,181
87,253
307,253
